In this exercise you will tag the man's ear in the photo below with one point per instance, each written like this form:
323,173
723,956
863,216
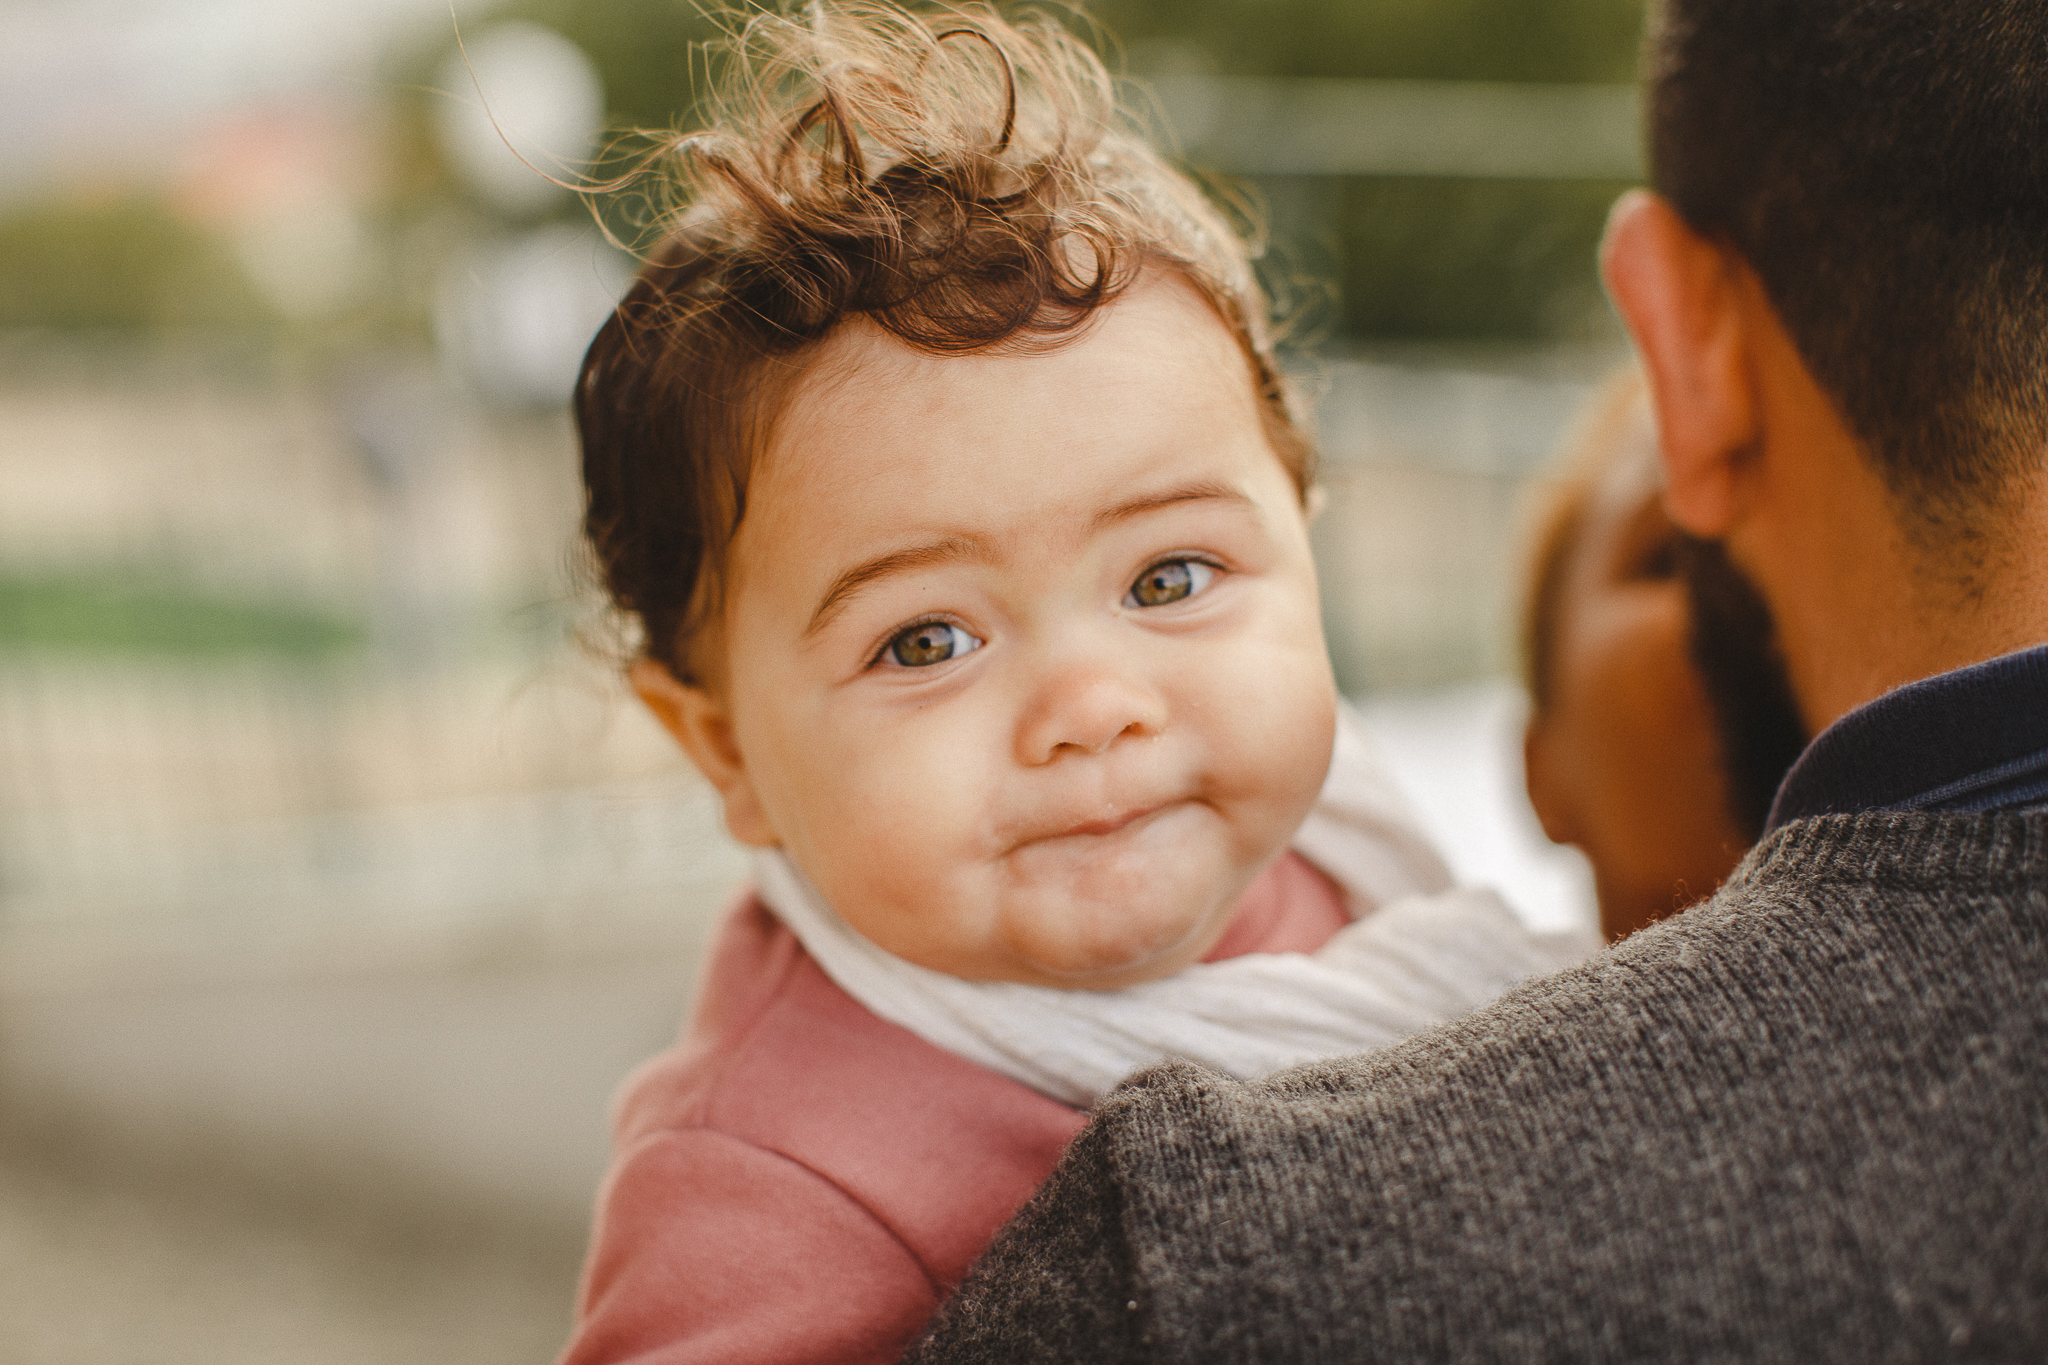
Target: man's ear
699,722
1680,294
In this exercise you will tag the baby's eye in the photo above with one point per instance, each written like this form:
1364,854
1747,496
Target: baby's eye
1169,581
932,642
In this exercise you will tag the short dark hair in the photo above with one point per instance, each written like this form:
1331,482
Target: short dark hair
1883,166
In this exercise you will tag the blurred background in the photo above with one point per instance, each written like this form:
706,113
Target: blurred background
339,881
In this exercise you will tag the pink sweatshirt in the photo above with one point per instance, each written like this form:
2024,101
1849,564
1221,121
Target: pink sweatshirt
798,1180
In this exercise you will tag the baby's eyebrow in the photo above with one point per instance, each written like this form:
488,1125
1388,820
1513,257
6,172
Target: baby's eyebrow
950,550
1199,491
953,549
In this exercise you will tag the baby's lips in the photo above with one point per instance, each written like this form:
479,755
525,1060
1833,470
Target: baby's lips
1108,824
1097,822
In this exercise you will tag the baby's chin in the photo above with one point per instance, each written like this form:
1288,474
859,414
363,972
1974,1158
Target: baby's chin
1101,911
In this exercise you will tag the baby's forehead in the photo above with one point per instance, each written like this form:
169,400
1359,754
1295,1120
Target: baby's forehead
858,363
1149,367
1160,315
881,442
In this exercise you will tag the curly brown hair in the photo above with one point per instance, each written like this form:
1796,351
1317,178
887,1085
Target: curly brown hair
965,182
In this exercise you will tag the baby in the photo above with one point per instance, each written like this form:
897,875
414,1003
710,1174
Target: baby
1634,754
941,455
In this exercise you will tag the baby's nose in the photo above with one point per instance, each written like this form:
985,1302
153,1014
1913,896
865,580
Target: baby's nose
1085,711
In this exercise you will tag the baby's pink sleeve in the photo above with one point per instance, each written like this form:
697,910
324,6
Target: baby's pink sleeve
710,1249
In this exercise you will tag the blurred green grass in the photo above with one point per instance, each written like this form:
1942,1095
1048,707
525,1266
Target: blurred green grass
121,263
110,612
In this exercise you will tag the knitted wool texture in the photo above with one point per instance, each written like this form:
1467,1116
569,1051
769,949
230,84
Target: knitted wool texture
1805,1121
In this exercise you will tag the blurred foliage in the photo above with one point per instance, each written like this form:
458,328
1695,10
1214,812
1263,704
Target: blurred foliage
116,613
1407,259
648,51
1416,259
1492,40
1447,259
121,265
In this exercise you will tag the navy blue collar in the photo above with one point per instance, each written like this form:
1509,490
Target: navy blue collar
1974,739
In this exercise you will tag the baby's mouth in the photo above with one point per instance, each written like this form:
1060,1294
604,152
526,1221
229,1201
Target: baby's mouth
1101,826
1108,824
1112,892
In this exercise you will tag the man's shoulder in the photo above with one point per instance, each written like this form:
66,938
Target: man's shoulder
1815,1093
1848,929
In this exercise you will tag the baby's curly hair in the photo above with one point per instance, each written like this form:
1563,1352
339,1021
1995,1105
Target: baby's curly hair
965,182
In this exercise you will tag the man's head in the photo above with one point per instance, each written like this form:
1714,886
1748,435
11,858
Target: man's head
1841,300
1883,167
942,458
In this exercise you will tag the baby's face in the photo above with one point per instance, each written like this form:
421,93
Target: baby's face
1022,660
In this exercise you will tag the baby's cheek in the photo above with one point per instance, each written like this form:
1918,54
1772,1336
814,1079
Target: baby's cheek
899,853
1276,749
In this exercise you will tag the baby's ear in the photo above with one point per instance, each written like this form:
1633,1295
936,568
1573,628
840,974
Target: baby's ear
700,724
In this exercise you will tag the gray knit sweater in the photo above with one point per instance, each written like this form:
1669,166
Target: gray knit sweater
1806,1121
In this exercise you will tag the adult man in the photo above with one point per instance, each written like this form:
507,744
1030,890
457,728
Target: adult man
1808,1119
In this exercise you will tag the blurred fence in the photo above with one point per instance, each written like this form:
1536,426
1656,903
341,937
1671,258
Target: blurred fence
327,856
